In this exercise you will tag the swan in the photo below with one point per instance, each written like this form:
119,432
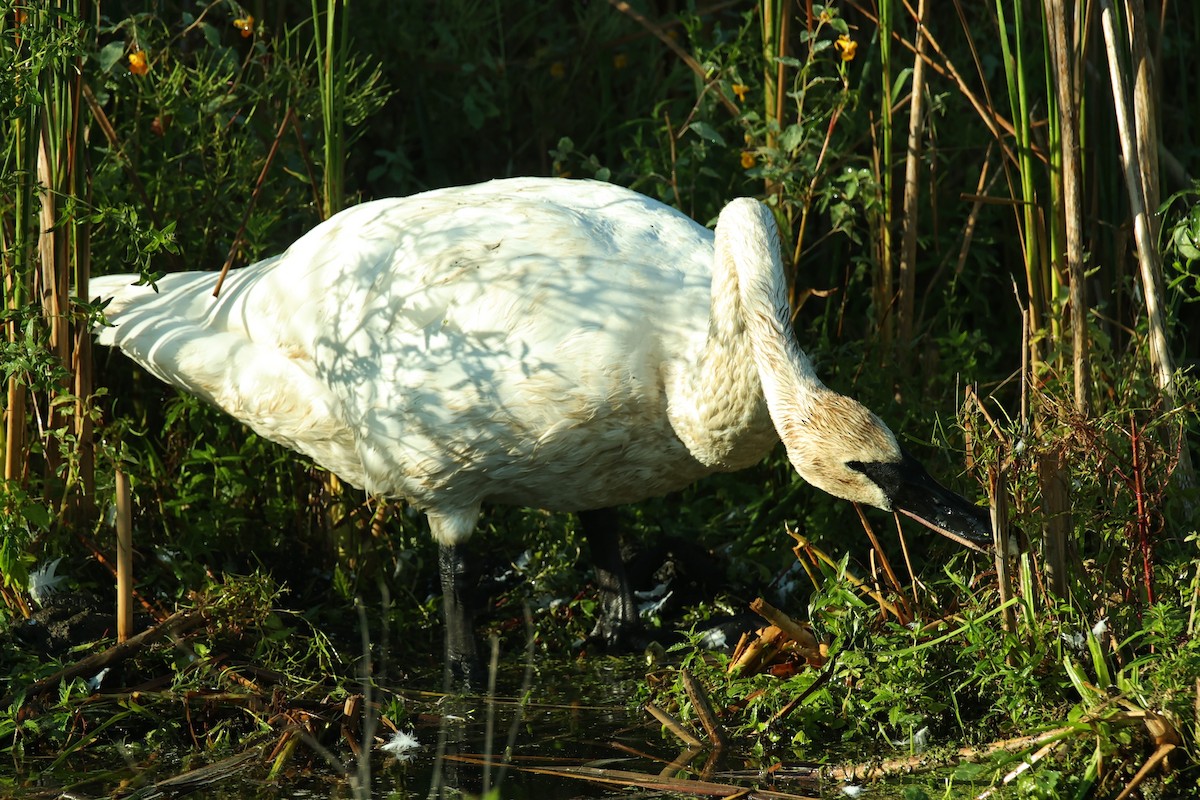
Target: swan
559,344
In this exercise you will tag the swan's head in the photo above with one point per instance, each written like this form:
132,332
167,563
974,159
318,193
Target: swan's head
841,447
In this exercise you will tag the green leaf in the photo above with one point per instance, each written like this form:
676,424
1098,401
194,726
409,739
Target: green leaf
110,55
898,84
708,132
792,136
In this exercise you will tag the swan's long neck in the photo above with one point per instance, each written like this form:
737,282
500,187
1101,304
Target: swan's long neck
748,241
748,234
750,351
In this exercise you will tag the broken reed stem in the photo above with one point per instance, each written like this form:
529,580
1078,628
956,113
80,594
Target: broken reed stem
756,651
803,637
703,709
173,625
124,558
1054,482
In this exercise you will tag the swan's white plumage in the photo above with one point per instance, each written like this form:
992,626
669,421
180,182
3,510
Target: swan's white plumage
567,345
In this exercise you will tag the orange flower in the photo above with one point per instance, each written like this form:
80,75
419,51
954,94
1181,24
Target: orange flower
138,63
245,25
748,159
620,61
740,90
846,46
558,70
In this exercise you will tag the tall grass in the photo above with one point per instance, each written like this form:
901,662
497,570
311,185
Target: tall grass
47,432
331,42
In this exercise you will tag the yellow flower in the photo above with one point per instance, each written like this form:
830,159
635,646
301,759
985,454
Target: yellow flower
740,90
748,159
847,46
138,63
558,70
245,25
620,61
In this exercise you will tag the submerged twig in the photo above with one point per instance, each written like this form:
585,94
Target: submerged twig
674,726
195,779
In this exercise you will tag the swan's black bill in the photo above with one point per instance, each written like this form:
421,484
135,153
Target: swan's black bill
914,492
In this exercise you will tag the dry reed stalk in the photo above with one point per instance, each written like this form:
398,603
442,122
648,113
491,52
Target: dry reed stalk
258,187
51,275
907,277
999,127
983,186
656,784
1150,267
912,576
1145,104
1157,758
1162,362
802,543
174,625
14,428
887,566
910,764
1023,767
1072,193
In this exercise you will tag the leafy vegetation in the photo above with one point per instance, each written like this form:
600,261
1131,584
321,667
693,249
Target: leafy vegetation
969,257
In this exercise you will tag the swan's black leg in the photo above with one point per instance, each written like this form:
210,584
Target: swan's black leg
464,669
619,616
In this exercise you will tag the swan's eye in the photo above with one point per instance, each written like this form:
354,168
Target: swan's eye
909,488
890,476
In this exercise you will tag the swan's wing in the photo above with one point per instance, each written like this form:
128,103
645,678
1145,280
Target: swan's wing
460,339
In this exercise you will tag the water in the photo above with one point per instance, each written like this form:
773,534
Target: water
575,714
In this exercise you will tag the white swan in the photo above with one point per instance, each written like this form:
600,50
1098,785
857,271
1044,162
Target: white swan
567,345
